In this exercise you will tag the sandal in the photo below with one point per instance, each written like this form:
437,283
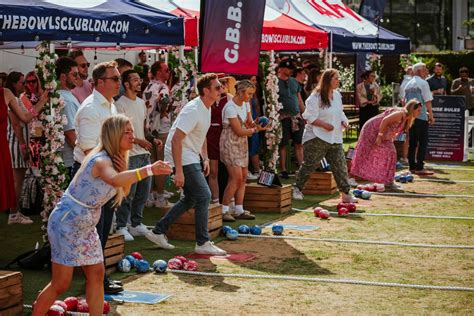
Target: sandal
227,217
244,215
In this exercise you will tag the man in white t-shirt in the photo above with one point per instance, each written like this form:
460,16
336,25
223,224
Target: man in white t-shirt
419,89
134,108
184,145
67,74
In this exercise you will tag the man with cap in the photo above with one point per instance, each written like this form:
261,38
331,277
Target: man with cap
289,91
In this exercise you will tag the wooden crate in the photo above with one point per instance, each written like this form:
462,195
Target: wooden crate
320,183
113,252
185,227
262,199
11,293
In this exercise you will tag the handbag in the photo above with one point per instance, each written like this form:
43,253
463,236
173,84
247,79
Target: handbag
36,259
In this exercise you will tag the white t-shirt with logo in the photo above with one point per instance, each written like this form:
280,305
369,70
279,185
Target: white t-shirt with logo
136,111
194,120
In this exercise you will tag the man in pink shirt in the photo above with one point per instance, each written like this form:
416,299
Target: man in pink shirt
83,87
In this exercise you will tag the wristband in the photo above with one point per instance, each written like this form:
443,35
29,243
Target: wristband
380,134
149,172
137,172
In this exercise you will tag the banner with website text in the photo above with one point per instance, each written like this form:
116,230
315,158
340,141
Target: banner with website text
230,36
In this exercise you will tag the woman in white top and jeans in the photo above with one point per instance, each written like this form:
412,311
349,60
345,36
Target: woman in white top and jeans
322,137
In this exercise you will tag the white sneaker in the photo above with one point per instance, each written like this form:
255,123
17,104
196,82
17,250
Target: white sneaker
151,200
159,239
161,201
124,232
251,176
168,194
297,194
140,230
19,218
208,248
348,198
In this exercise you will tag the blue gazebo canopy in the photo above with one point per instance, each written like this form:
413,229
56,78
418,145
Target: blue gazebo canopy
112,21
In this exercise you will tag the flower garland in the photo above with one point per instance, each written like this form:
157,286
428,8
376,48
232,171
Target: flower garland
182,91
53,171
273,106
346,75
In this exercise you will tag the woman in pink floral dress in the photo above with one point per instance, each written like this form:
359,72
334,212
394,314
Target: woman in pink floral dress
375,156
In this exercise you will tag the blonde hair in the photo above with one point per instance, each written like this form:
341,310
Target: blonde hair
410,107
243,85
111,134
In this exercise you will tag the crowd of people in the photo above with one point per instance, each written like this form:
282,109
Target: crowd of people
123,142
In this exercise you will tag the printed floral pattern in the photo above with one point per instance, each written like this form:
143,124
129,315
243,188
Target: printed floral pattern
71,227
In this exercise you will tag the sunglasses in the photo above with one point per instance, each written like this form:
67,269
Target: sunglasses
218,87
85,65
34,81
75,74
114,78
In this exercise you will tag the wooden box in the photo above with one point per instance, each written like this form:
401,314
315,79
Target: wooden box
320,183
262,199
11,293
114,252
185,227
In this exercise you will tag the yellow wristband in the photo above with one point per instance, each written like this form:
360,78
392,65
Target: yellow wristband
139,177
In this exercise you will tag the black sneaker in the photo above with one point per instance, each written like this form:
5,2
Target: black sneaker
111,288
284,175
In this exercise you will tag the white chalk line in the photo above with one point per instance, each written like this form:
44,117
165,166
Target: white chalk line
444,180
424,195
324,280
393,215
358,241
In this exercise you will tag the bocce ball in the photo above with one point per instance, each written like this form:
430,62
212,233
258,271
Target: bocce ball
263,121
409,177
143,266
277,229
160,266
181,258
351,207
71,303
324,214
357,192
106,308
190,265
317,210
137,255
243,229
124,265
366,195
60,303
56,310
342,211
232,234
132,260
225,229
256,230
175,264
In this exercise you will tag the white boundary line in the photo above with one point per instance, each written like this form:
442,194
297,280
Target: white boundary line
358,241
425,195
393,215
443,180
323,280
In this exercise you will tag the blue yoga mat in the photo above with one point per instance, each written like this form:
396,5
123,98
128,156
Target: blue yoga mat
137,297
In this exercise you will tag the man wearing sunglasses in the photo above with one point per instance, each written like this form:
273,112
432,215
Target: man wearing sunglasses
419,89
95,109
83,86
186,142
67,74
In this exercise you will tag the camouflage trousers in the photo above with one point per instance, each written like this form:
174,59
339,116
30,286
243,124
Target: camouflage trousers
314,151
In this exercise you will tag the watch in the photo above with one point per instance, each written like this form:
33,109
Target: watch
149,172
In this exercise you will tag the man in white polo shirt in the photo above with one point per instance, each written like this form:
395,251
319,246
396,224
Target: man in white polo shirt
185,142
95,109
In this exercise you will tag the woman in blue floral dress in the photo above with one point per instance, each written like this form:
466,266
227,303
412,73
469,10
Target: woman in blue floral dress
71,226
